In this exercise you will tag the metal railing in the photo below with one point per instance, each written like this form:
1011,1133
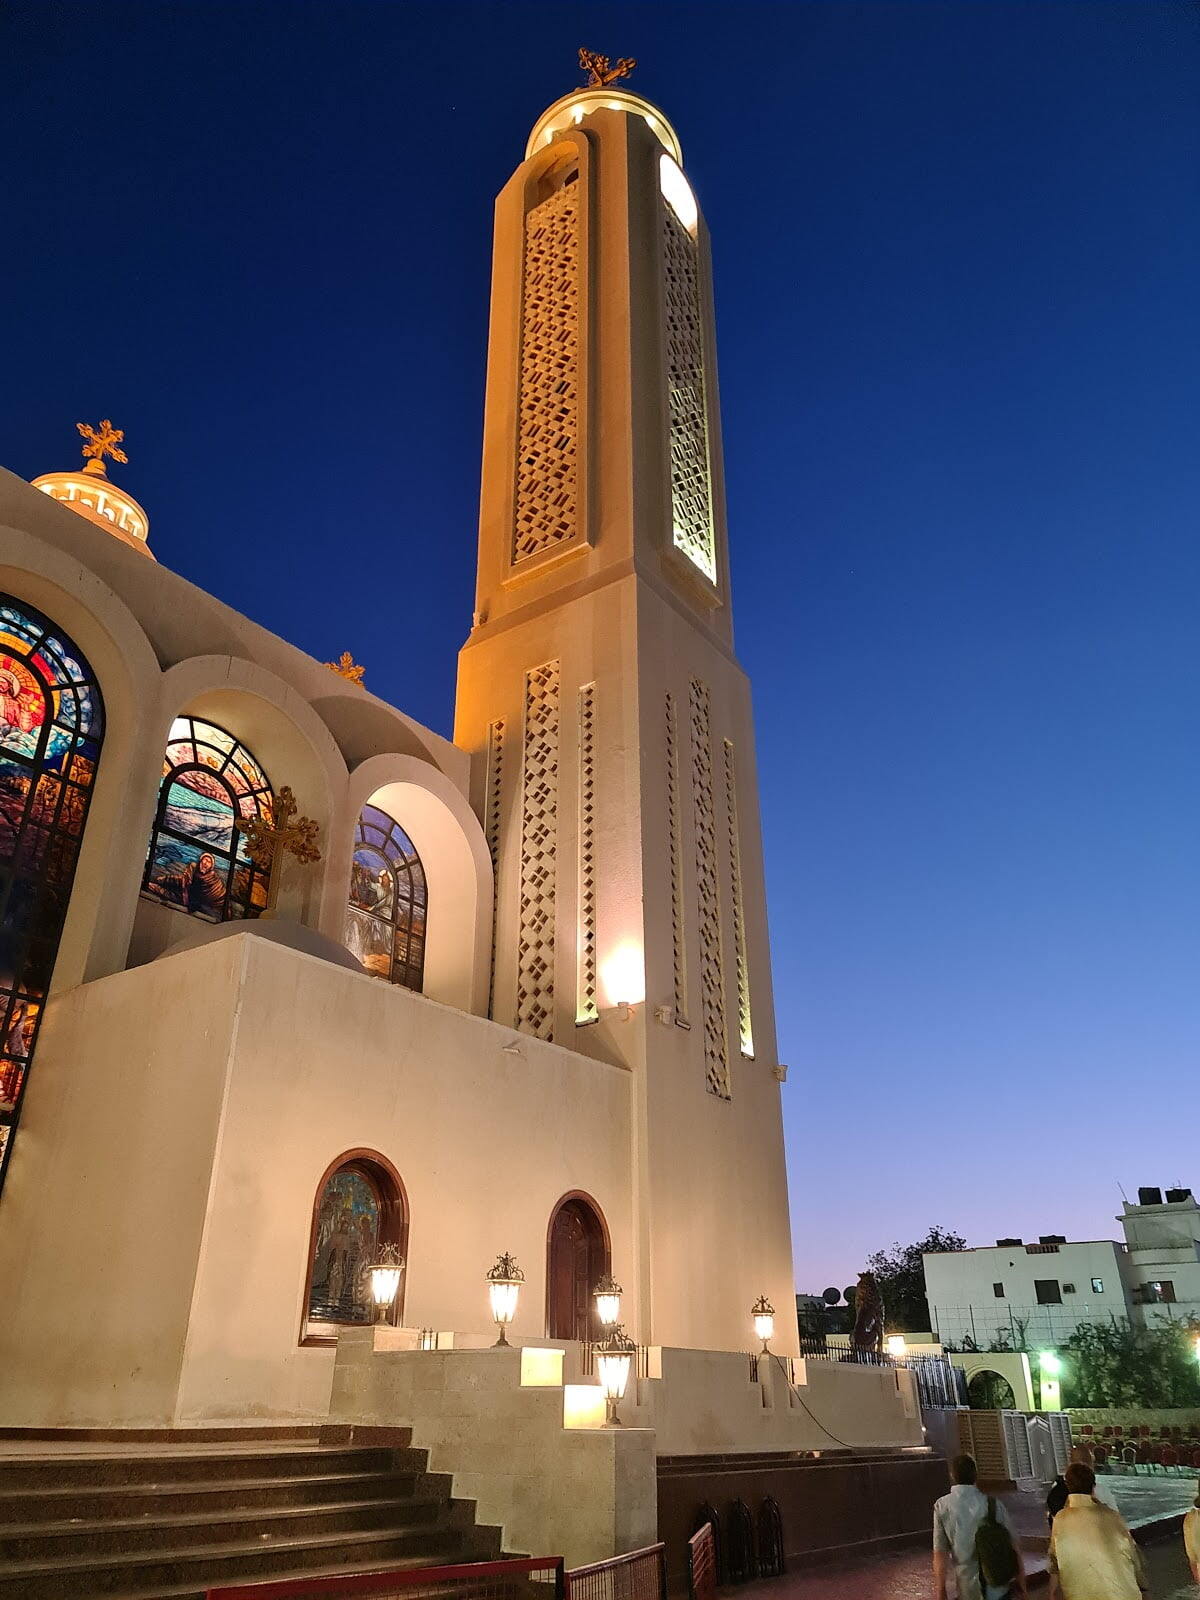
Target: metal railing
539,1579
702,1564
1001,1327
641,1575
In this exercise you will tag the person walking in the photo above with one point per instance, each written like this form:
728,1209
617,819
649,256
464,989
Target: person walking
1092,1552
1191,1537
972,1530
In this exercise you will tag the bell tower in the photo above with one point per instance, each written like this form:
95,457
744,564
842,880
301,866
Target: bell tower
609,719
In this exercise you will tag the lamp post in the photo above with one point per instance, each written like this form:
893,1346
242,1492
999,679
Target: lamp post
384,1276
613,1361
1050,1394
504,1287
607,1296
763,1313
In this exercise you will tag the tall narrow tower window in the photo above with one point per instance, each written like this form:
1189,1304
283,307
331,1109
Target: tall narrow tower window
691,490
539,852
547,448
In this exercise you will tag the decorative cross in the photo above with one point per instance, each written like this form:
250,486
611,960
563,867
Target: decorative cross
267,841
346,667
600,71
101,444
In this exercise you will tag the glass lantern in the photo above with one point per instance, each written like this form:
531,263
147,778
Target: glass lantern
384,1277
607,1297
763,1313
614,1359
504,1289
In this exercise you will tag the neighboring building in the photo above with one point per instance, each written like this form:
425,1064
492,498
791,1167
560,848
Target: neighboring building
521,1002
1015,1294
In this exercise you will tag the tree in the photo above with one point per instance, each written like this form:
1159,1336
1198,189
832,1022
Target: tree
900,1274
1114,1364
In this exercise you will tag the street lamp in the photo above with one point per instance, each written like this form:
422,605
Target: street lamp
1049,1363
607,1295
763,1313
504,1287
897,1346
613,1361
384,1275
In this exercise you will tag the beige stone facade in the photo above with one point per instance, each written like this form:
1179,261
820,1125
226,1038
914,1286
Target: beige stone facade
594,1022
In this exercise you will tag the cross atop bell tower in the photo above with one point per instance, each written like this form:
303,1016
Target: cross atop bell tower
599,694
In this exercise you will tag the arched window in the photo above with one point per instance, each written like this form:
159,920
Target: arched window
385,921
197,861
51,727
359,1208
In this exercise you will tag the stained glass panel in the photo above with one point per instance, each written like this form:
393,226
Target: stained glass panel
197,863
387,901
349,1219
51,726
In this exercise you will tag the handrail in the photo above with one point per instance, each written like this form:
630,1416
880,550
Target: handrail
337,1586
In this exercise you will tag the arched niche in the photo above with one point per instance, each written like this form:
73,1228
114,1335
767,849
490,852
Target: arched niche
578,1254
291,745
457,866
360,1205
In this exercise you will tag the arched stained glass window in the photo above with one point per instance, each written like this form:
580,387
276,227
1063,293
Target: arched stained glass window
198,861
51,727
360,1207
385,921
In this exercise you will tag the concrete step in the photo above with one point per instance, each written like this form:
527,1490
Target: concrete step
100,1502
62,1471
192,1568
54,1542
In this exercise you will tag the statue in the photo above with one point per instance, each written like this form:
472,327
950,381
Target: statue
867,1338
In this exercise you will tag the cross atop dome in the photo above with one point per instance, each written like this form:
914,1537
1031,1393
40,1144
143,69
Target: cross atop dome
600,71
105,442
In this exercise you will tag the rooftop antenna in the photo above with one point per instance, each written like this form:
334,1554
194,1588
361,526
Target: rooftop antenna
1124,1196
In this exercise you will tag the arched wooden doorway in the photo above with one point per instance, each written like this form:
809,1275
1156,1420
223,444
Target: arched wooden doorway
577,1257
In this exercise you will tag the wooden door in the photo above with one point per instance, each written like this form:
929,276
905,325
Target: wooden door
578,1258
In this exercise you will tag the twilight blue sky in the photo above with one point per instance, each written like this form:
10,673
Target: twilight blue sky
957,252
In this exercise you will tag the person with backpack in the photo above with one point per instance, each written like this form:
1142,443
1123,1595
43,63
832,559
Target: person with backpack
973,1530
1092,1553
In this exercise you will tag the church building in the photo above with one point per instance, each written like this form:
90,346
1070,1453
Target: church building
291,985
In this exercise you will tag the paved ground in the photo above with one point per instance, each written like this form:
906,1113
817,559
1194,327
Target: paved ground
907,1576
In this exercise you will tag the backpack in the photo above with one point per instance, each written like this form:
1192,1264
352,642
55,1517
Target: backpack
995,1551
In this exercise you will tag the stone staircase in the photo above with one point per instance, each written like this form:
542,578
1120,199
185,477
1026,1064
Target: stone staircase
172,1521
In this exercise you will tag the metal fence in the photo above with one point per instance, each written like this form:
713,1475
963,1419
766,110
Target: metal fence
702,1564
641,1575
539,1579
1003,1327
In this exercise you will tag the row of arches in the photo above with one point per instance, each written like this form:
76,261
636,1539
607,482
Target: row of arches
361,1206
53,722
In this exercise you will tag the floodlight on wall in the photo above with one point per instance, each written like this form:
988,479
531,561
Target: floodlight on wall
384,1277
607,1296
763,1313
1049,1363
897,1346
504,1288
614,1359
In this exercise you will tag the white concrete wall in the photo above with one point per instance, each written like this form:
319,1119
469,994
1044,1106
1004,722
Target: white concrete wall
962,1302
178,1123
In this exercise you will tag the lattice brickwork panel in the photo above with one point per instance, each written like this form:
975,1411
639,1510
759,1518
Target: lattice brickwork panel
712,975
745,1026
539,848
492,814
547,458
691,493
587,1008
678,923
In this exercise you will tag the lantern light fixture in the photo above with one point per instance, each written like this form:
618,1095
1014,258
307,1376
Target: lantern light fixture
504,1289
763,1313
607,1296
614,1359
1050,1363
897,1346
384,1277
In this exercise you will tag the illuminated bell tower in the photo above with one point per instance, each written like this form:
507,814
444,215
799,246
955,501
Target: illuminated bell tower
608,717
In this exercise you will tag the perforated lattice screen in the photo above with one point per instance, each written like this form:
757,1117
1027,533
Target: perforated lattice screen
691,495
539,848
712,977
547,460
